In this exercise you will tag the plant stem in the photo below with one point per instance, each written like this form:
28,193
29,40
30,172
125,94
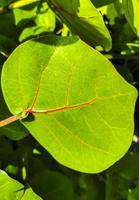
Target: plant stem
8,120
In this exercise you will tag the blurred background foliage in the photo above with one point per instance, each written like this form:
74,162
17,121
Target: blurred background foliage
20,155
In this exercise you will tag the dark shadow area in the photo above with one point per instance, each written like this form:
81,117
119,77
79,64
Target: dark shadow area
29,118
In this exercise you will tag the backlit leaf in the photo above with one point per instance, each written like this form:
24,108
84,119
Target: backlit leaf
88,124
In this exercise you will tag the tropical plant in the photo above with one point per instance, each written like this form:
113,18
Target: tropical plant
69,82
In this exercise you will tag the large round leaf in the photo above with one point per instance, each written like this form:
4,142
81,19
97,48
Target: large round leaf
88,124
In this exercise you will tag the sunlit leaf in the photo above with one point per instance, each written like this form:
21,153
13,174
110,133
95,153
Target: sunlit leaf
79,108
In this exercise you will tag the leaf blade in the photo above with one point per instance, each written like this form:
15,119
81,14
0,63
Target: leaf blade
79,137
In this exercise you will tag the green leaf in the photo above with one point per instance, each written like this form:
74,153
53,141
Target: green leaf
10,189
89,122
26,13
131,10
84,20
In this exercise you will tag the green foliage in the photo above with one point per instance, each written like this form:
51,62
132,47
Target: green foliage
76,130
70,75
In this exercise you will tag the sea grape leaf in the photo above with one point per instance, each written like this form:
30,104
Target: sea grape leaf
89,123
83,19
11,189
131,11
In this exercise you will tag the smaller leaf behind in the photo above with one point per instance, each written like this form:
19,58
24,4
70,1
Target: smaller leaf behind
11,189
84,20
131,11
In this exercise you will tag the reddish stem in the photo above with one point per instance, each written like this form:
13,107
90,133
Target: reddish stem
8,120
30,110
